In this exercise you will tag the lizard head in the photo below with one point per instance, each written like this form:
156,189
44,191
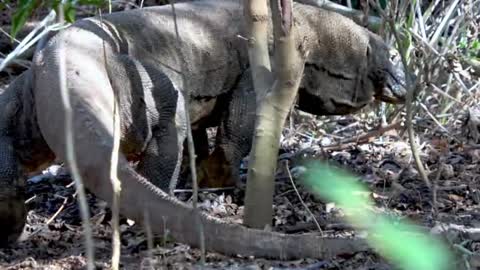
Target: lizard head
350,72
385,71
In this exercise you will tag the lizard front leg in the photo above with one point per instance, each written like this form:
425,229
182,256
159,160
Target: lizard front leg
153,121
160,159
234,137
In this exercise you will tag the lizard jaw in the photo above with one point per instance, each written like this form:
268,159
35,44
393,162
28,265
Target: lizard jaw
394,89
394,94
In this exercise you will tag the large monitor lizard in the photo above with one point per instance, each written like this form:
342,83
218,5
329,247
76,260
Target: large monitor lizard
134,55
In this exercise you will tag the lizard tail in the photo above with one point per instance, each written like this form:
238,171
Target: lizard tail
179,219
167,214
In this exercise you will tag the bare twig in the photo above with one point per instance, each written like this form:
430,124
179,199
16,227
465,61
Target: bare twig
436,121
148,233
363,137
443,93
51,219
421,21
191,149
59,210
117,188
17,62
301,200
435,188
116,184
443,24
8,35
354,124
33,37
29,200
409,103
70,151
203,190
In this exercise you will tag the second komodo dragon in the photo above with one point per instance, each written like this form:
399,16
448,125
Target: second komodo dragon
133,55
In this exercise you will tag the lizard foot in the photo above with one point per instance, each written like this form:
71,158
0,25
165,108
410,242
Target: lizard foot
13,215
215,171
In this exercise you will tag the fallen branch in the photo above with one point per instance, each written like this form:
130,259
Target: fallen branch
203,190
363,138
470,233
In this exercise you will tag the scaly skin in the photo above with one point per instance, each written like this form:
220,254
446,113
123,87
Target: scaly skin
142,68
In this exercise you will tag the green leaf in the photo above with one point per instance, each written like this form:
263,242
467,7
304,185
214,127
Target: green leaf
476,44
26,8
383,4
69,12
475,48
399,242
54,4
19,18
463,43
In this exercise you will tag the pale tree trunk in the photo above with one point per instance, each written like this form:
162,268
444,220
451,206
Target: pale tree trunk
257,17
271,114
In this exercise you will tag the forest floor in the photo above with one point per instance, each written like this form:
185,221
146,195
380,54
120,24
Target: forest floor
53,238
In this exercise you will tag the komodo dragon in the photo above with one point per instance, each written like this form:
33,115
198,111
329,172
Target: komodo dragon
133,54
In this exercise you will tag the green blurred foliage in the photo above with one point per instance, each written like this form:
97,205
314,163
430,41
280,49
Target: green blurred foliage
470,47
400,242
25,8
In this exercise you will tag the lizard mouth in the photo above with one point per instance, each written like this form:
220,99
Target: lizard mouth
394,89
393,92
